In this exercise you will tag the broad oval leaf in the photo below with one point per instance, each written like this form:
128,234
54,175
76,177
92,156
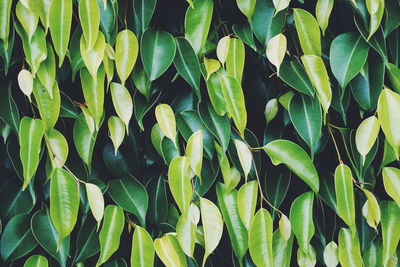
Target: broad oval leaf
235,59
245,159
96,201
271,109
36,261
301,219
47,71
57,147
348,54
169,251
194,151
166,121
247,7
280,5
31,132
260,239
282,249
247,200
331,254
186,232
126,52
293,73
92,57
276,50
349,249
366,135
157,50
285,228
391,182
110,232
27,18
295,158
49,104
123,104
222,52
116,129
390,235
89,15
179,182
25,82
308,31
64,203
142,254
371,210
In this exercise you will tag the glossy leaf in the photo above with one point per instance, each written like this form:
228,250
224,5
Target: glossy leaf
390,236
331,254
89,15
49,106
36,261
166,121
349,249
25,82
366,135
186,232
276,50
235,59
169,251
194,151
260,239
92,57
96,201
179,182
308,32
123,104
391,181
126,52
142,254
323,11
247,200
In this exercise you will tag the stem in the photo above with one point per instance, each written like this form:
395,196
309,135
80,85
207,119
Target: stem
335,144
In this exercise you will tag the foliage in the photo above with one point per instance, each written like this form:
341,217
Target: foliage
199,133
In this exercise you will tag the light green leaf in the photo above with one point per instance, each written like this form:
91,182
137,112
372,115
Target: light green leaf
194,151
285,228
116,129
57,148
282,249
213,226
276,49
92,57
197,23
280,5
247,7
234,98
372,255
348,54
318,75
388,115
30,137
308,32
391,182
36,261
123,104
60,19
222,51
376,9
235,59
271,109
323,11
89,15
84,140
110,232
186,232
211,65
345,195
308,258
5,14
349,249
25,83
179,182
126,52
27,18
142,254
390,233
169,251
331,254
64,203
96,201
301,219
260,239
245,158
371,210
366,135
47,71
247,200
156,138
93,91
215,92
295,158
157,50
394,76
227,202
166,121
49,108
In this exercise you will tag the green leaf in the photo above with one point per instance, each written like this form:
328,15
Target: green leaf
247,7
126,52
17,239
373,255
293,74
349,249
47,71
213,226
158,203
92,57
345,195
331,254
394,76
5,14
247,200
323,11
234,98
116,129
166,121
211,66
84,140
215,93
280,5
228,205
260,239
36,261
31,132
123,104
366,135
60,19
308,258
179,182
25,83
271,109
130,195
318,75
301,219
14,200
144,10
391,182
390,235
308,32
93,90
235,59
49,107
305,114
222,53
348,54
57,148
87,244
197,24
388,107
295,158
285,228
89,15
27,18
169,251
187,64
142,254
110,232
96,201
186,231
157,52
64,203
245,159
194,151
282,249
371,210
376,9
276,50
47,236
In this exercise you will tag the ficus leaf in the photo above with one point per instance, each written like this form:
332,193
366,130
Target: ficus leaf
308,32
166,121
247,200
371,210
323,11
5,7
49,107
247,7
169,251
123,104
235,59
142,253
222,51
179,182
271,109
245,157
349,249
92,57
285,228
89,15
276,49
390,236
126,52
47,71
57,147
194,151
36,261
366,135
331,254
391,182
96,201
25,82
186,232
116,129
27,18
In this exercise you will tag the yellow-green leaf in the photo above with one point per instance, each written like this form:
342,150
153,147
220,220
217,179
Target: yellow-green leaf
271,109
245,157
92,57
27,18
285,228
89,15
308,31
169,251
186,232
36,261
5,14
123,104
349,249
222,50
323,11
276,49
57,147
96,201
247,7
47,71
166,120
391,182
25,82
390,229
247,200
49,108
280,5
194,151
126,52
142,254
260,239
235,59
371,210
211,66
116,129
366,135
179,182
331,254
